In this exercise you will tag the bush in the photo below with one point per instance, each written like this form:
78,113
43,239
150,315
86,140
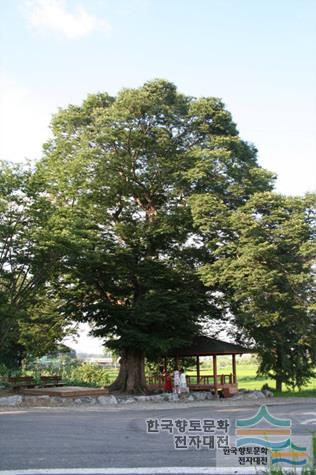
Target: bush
71,371
266,387
4,371
88,373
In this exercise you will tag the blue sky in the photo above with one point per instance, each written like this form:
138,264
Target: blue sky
259,56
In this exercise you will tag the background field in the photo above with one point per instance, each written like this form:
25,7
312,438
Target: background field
247,376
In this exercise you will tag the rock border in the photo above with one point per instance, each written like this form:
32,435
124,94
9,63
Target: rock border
123,400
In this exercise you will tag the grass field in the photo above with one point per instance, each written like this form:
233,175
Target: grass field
247,379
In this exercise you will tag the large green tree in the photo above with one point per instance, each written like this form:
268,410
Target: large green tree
265,266
121,172
29,320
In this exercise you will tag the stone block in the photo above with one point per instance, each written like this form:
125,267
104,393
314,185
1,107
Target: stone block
11,400
107,400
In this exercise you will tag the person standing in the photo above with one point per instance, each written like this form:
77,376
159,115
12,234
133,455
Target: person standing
168,384
176,381
183,382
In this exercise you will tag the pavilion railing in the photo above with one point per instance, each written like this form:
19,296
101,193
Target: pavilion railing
155,380
158,380
210,379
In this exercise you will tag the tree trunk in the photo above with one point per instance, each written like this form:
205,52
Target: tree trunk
131,377
278,384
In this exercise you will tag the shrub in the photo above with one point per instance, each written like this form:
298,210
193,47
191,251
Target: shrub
86,372
4,371
266,387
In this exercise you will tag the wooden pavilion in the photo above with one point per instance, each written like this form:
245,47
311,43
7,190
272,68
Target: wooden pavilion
205,346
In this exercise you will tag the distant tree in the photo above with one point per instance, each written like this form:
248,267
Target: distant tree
265,266
120,172
44,327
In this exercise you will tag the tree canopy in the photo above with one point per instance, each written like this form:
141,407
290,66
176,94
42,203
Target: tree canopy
148,216
27,262
265,267
124,174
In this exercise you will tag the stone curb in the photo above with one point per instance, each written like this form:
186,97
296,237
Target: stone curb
164,399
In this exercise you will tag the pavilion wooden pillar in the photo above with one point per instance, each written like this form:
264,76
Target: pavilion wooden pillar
234,368
197,370
165,364
215,373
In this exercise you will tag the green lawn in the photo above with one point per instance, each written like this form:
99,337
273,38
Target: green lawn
247,379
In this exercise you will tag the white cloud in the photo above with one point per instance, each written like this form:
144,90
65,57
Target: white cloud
54,16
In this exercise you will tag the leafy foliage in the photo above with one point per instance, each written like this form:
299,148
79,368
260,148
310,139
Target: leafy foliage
28,318
264,264
88,373
121,172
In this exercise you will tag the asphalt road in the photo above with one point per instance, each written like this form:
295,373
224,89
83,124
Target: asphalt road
94,437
